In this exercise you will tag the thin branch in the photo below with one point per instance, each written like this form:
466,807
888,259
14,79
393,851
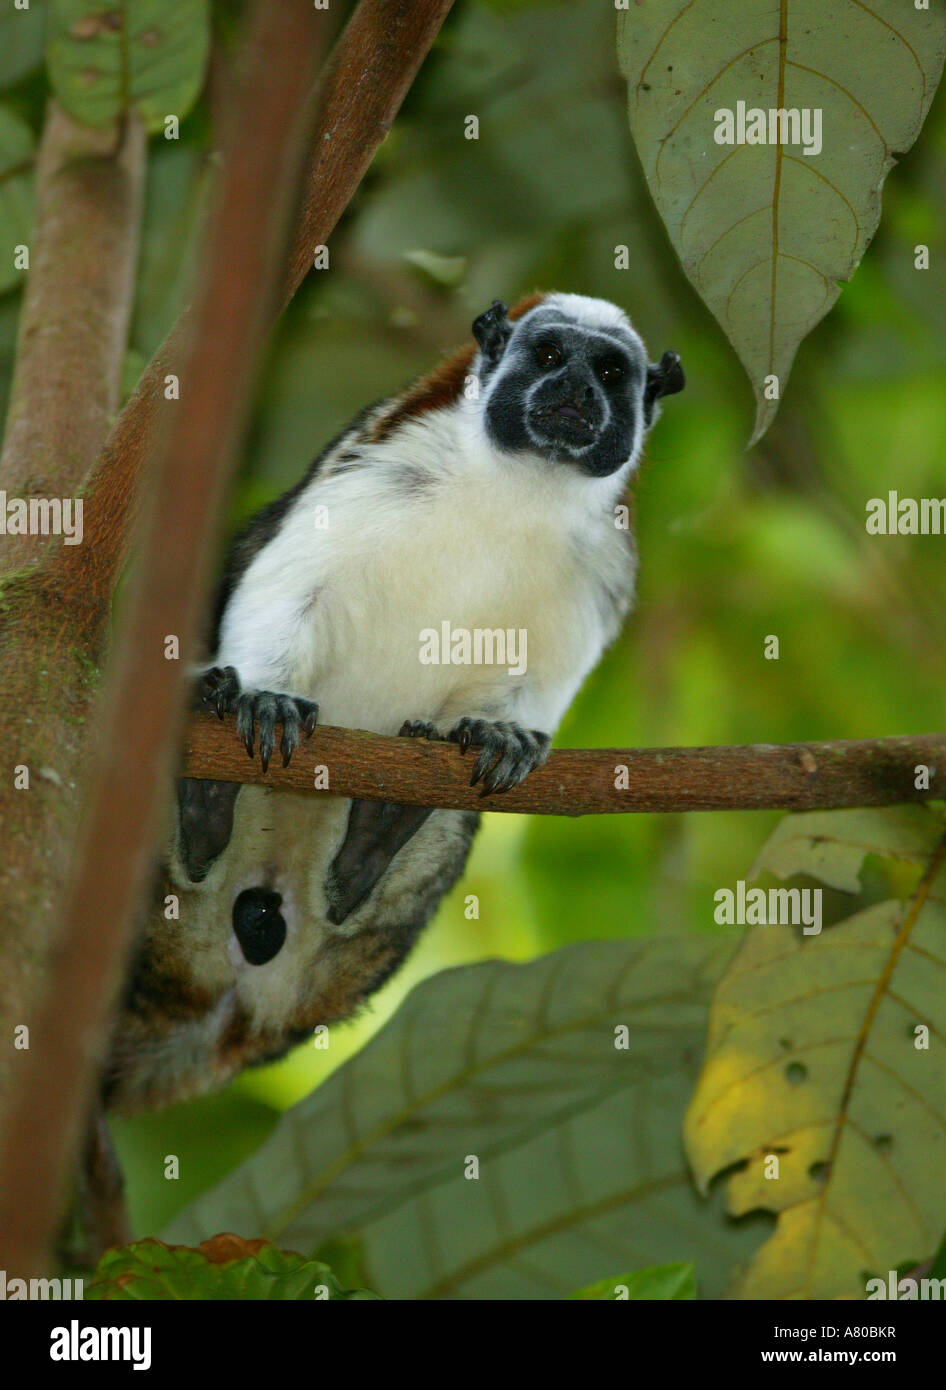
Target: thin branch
369,73
242,265
585,782
365,80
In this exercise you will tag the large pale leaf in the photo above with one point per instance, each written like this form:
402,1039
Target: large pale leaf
577,1141
148,55
16,193
813,1058
765,232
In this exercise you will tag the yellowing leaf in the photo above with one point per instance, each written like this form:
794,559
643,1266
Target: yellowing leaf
767,232
816,1084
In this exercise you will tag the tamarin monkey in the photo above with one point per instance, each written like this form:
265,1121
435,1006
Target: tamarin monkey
485,495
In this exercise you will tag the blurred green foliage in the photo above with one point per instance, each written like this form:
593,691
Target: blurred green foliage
227,1268
661,1281
734,545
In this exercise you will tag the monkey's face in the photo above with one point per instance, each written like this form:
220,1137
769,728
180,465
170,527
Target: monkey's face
576,390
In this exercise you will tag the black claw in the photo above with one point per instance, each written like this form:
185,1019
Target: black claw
246,722
512,765
308,712
218,689
289,718
508,752
484,762
266,709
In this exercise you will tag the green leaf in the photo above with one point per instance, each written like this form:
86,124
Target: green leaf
178,181
575,1139
766,232
108,58
21,40
817,1092
675,1281
16,193
223,1268
442,270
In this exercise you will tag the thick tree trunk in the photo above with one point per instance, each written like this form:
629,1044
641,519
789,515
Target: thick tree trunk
73,328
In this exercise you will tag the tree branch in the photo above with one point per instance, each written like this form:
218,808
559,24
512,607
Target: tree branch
242,263
73,323
360,92
369,73
74,319
583,782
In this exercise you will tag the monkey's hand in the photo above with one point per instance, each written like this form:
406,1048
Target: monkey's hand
508,752
219,689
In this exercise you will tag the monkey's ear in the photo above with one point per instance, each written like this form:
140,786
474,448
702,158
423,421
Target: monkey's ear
492,330
664,379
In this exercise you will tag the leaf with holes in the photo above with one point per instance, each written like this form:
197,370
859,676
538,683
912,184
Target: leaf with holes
825,1078
108,58
769,225
16,194
498,1139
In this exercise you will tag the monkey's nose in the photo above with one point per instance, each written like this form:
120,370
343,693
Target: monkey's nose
258,924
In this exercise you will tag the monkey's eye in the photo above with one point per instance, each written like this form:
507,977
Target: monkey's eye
548,355
611,369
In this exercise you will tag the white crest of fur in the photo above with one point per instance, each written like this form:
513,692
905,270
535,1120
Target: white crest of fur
590,313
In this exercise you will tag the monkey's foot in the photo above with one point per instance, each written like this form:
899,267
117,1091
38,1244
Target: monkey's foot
219,689
508,752
417,728
296,715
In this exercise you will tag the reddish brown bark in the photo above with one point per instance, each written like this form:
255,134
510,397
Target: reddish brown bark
584,782
242,266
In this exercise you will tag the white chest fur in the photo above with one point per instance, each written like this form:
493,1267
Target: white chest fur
374,557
